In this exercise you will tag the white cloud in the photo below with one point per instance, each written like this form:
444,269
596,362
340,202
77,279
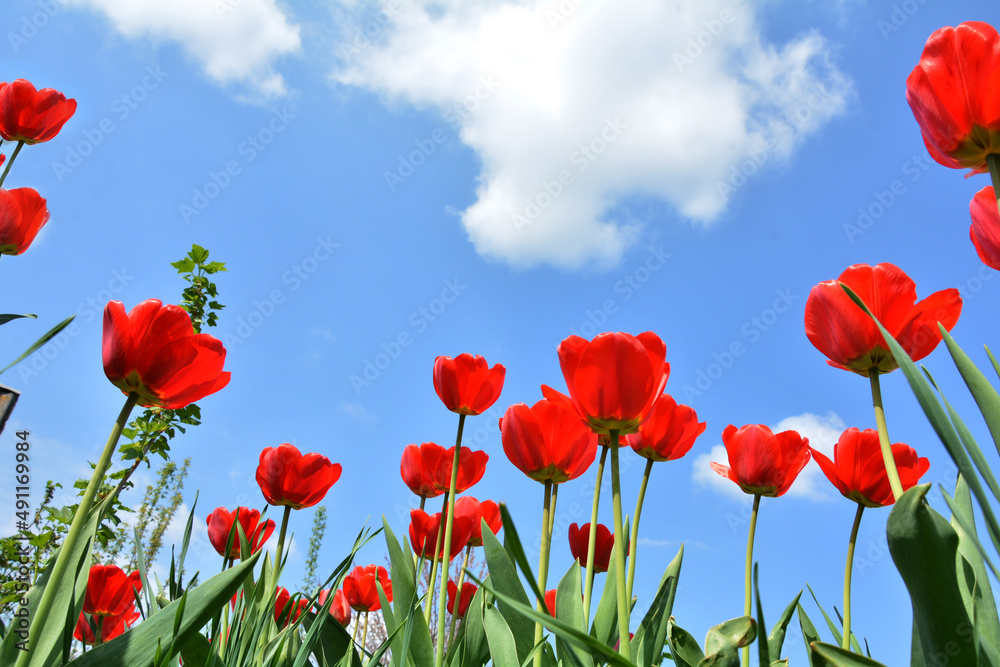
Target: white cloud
635,97
234,41
822,432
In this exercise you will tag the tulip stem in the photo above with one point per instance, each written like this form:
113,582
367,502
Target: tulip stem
847,577
993,161
552,522
10,162
281,543
364,635
588,587
624,647
458,596
416,570
354,635
446,545
633,545
747,579
883,437
543,561
57,581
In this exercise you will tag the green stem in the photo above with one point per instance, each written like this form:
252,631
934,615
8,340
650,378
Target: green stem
883,437
588,586
633,545
434,564
458,595
56,582
552,521
364,636
10,162
624,647
281,544
423,500
446,547
543,560
847,577
354,635
993,161
747,579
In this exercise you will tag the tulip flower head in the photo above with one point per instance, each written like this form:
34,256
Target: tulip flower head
954,96
220,525
579,541
419,468
424,529
858,470
985,229
109,627
285,610
477,512
23,213
550,602
614,379
360,589
288,477
762,462
547,442
849,338
110,592
154,352
668,433
466,384
30,115
468,591
339,609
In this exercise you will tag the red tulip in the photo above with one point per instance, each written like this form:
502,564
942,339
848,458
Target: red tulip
286,611
424,533
419,467
471,467
220,524
110,626
339,608
579,542
468,591
851,340
550,602
477,512
287,477
30,115
155,353
110,591
954,92
763,462
668,433
23,213
360,590
466,384
985,229
614,379
858,469
547,442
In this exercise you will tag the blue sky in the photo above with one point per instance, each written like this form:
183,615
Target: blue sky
389,183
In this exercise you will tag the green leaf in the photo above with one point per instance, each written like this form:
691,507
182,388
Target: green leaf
4,319
986,396
724,640
827,655
503,578
838,637
776,639
809,634
502,647
196,651
763,647
683,646
334,643
139,645
477,650
569,607
924,547
52,333
605,626
651,635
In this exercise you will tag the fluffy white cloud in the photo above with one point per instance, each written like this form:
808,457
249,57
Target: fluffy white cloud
822,432
675,100
235,41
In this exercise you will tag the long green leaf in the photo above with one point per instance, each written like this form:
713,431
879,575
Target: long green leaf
763,649
651,635
809,634
139,645
503,578
605,626
4,319
982,391
502,647
569,608
776,639
52,333
827,655
683,646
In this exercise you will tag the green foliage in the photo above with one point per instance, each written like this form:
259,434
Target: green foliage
315,542
199,297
